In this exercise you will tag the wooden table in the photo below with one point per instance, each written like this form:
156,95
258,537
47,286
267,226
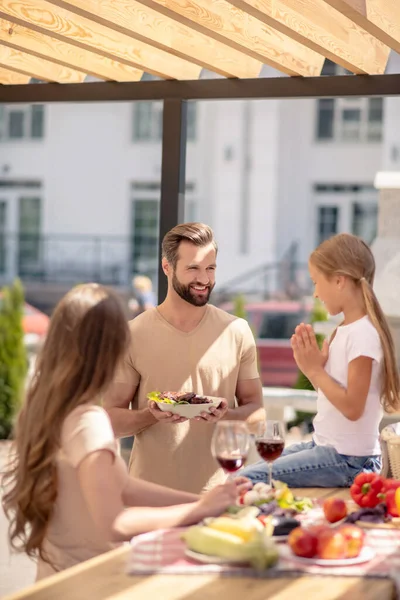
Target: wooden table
103,578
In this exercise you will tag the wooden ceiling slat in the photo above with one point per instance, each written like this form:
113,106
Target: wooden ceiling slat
381,18
131,18
11,77
68,27
64,54
223,22
38,68
322,28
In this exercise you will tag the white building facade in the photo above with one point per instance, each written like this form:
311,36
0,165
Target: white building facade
80,184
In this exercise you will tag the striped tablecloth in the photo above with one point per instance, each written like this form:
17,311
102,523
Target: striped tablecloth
163,551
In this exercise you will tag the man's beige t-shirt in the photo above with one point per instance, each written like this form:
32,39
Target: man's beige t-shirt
72,535
209,360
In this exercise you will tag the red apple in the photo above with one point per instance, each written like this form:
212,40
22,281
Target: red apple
317,528
354,537
331,545
335,509
302,542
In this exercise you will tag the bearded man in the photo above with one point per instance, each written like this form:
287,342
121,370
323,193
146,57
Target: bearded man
184,345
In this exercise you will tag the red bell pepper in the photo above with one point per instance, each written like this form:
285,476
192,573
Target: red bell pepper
389,491
367,490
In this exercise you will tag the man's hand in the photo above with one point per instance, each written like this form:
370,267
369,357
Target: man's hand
164,417
308,356
215,414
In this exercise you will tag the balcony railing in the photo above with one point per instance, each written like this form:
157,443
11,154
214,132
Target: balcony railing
114,260
111,260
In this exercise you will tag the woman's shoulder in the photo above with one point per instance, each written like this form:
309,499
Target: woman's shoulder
87,429
83,418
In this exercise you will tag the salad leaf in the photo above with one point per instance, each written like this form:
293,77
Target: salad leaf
156,397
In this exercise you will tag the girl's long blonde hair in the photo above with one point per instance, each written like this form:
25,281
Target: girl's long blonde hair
87,337
348,255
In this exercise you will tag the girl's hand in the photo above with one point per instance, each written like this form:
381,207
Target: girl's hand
309,358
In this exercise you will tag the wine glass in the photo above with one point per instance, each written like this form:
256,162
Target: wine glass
230,444
270,442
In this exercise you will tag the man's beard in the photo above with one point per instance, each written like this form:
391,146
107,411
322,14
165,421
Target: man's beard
185,292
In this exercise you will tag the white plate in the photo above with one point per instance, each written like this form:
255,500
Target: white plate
214,560
189,411
366,554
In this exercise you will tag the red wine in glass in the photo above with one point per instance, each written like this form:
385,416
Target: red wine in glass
269,450
230,464
230,445
270,442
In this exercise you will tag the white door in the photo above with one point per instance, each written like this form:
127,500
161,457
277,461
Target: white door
8,236
20,229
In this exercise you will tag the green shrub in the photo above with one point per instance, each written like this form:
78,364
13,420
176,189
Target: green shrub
239,307
13,358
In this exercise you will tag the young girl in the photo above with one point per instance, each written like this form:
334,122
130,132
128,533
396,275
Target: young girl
353,375
67,487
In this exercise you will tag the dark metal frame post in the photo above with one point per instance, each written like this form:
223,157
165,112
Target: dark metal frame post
173,175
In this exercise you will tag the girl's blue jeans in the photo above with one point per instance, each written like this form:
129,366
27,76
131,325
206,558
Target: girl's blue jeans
308,465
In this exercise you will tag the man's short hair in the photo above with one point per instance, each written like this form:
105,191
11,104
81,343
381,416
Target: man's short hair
198,234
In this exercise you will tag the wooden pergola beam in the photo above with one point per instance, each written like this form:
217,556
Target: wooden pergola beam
144,24
316,24
381,18
12,77
21,62
221,21
45,48
67,27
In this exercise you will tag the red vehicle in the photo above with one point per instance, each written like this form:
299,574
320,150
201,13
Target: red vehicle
34,321
273,323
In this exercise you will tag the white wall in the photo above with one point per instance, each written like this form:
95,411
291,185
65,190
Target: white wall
87,161
303,162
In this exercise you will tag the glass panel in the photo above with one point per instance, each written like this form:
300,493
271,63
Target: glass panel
37,121
375,119
142,120
375,110
16,124
325,119
3,217
144,255
365,219
29,235
327,222
351,119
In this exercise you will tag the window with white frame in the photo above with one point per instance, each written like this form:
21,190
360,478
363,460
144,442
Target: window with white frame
348,119
30,219
346,207
145,225
328,219
365,220
147,121
18,122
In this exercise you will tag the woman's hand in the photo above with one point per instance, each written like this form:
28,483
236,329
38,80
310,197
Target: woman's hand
214,502
307,354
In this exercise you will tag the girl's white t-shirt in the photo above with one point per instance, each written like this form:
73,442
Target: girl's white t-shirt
332,428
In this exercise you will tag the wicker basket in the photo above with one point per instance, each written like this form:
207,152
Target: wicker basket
393,446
